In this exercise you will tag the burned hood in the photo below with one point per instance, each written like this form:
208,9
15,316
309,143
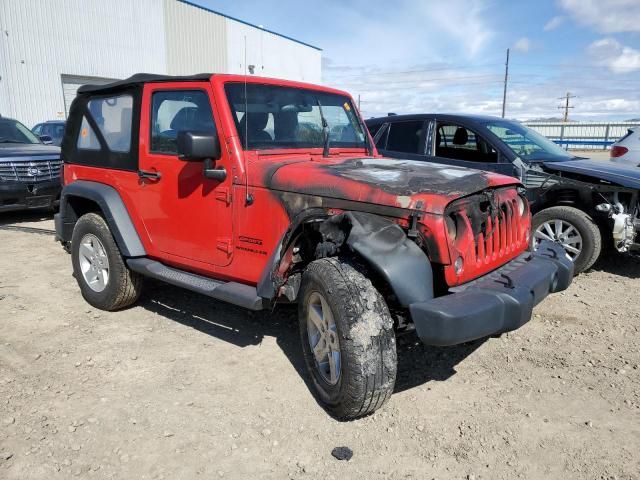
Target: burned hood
610,172
384,181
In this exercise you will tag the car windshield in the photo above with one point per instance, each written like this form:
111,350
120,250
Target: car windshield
12,131
270,117
526,143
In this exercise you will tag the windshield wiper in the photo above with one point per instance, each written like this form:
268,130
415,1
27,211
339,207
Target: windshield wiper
325,132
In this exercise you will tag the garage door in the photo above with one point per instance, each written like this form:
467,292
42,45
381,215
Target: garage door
71,83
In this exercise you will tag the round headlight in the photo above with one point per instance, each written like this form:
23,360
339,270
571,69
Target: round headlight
521,206
458,265
452,229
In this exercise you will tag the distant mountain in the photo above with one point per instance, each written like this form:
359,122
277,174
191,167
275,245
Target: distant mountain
548,119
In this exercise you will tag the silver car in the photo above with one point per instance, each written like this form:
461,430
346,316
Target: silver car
627,149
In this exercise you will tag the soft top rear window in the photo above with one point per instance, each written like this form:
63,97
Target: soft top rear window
270,117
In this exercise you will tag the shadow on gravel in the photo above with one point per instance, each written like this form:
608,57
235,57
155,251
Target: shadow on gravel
9,218
417,363
619,264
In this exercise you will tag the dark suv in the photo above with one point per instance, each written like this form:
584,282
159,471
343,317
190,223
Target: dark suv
29,170
53,129
582,204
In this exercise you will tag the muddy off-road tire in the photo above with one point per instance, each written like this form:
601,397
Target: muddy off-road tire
341,311
98,267
545,224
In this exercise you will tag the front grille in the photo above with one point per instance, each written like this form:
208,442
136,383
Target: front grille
490,231
499,235
32,171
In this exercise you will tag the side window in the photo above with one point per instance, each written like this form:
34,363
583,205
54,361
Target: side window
173,111
37,129
460,143
87,139
113,116
406,137
373,129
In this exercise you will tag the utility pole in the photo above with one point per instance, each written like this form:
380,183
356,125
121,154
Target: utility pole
566,105
506,77
358,102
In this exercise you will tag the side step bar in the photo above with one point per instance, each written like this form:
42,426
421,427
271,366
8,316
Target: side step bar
231,292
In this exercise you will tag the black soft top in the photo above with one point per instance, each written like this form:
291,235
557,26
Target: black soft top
139,79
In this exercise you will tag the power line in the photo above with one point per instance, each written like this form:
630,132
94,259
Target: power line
506,78
566,105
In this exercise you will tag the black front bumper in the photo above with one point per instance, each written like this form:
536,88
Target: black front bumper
25,196
498,302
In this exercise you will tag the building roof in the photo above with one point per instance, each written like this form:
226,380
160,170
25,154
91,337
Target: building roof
247,23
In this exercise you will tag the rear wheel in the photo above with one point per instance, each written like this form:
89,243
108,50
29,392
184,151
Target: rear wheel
574,230
347,339
102,275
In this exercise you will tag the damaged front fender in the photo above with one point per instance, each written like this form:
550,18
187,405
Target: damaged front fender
380,242
388,250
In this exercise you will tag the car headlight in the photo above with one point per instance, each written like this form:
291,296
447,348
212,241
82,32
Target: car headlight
452,229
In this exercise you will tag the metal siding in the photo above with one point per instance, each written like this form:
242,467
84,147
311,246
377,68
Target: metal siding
46,39
195,39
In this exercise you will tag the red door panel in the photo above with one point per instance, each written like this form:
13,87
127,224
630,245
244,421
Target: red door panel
185,214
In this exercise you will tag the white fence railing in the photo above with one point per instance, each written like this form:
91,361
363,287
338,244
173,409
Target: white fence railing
583,135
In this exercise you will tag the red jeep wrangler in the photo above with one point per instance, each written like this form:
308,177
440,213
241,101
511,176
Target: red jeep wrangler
255,191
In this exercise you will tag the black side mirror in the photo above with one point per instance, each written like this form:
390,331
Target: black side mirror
46,139
197,146
201,146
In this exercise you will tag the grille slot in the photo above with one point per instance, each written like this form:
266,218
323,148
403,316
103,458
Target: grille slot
499,235
33,171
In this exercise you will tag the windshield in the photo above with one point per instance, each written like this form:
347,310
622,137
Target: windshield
527,143
12,131
283,117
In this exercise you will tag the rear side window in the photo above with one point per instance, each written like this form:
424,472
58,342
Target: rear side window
406,137
113,117
87,139
176,111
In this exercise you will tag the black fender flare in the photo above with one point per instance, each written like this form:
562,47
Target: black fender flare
112,207
382,244
393,255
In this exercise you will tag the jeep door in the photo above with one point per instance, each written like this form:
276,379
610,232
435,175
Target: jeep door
188,217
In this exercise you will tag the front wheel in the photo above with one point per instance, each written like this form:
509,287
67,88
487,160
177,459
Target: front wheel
102,275
347,339
574,230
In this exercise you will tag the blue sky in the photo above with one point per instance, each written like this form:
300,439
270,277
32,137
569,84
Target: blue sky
436,56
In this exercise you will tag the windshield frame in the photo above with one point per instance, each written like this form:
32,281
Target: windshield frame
32,138
361,139
549,151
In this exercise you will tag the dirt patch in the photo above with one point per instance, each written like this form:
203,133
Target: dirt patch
181,386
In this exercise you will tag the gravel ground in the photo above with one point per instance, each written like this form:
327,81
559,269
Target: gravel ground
182,387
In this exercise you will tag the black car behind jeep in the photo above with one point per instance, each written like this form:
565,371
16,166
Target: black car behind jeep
29,170
583,204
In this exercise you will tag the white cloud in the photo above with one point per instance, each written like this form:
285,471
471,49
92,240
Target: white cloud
554,23
522,45
611,16
407,30
616,57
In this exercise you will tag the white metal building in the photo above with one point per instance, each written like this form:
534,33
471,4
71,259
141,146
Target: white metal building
48,48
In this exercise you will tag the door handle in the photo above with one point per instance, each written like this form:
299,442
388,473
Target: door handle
149,175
